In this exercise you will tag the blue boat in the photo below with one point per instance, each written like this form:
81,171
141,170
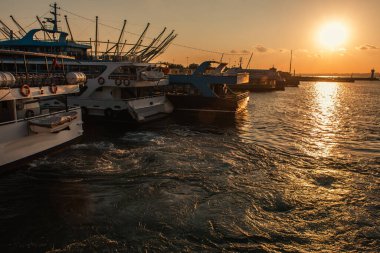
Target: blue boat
207,89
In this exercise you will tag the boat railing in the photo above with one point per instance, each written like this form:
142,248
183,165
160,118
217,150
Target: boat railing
37,80
145,97
72,108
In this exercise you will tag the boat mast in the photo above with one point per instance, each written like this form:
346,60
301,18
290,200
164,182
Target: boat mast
96,37
139,41
54,20
118,41
18,25
68,28
55,14
249,61
152,44
290,64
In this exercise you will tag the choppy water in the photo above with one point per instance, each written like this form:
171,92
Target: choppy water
299,171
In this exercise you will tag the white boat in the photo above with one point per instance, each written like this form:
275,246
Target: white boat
23,123
124,90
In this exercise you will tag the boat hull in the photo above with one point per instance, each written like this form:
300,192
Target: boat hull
253,87
209,104
141,110
18,142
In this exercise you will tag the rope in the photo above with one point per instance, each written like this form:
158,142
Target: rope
174,44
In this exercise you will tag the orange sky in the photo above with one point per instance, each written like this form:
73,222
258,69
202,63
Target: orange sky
268,29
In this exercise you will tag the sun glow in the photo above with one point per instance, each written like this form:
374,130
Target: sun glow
333,35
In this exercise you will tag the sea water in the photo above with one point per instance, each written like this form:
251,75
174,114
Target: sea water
298,171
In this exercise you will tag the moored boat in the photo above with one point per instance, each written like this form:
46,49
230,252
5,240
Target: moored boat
208,91
22,117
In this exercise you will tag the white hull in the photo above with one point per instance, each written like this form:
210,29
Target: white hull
141,109
18,142
144,109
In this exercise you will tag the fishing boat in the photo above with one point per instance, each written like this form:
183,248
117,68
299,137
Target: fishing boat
207,90
122,84
26,127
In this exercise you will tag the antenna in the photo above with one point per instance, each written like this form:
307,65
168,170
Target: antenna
68,28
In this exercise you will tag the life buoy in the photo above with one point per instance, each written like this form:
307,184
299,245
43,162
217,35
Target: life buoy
101,81
25,90
126,82
118,82
53,88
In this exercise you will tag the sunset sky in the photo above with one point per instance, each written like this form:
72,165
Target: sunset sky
337,36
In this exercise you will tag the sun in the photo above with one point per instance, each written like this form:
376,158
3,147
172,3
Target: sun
333,35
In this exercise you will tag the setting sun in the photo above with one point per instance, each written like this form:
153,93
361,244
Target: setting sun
333,35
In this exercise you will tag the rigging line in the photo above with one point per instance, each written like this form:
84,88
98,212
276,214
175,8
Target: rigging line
174,44
36,20
100,23
208,51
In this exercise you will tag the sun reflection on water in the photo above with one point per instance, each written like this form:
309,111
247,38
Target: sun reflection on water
326,121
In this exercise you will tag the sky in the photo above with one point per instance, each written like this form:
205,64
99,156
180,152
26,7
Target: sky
230,29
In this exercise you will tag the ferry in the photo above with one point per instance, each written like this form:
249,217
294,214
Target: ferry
28,128
121,84
207,89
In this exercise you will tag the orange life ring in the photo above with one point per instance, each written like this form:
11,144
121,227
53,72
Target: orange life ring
53,88
25,90
126,82
101,80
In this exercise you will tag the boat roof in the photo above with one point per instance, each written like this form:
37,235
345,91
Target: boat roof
29,40
33,54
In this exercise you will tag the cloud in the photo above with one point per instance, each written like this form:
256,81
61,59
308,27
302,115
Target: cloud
367,47
261,49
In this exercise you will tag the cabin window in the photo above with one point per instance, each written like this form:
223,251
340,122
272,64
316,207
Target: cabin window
124,72
6,111
182,89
